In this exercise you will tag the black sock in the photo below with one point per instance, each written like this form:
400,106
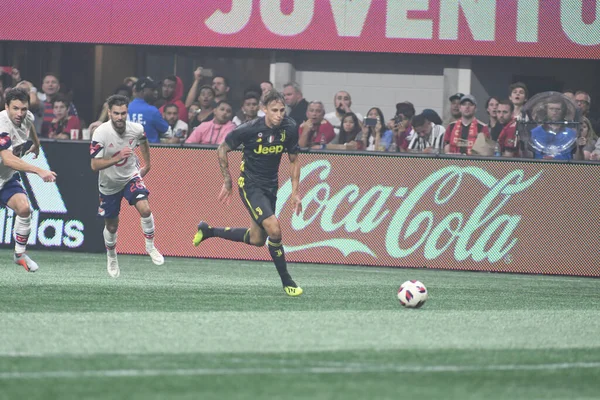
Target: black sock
233,234
278,256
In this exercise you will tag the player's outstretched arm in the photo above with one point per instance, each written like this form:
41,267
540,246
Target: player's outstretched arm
225,195
14,162
101,163
145,149
295,178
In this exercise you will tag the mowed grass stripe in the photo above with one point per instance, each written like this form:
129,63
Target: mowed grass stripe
76,268
297,331
69,282
351,369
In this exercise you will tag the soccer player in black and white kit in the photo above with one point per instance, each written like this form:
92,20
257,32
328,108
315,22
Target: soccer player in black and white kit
112,153
264,140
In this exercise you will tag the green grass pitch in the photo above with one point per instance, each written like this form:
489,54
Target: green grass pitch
216,329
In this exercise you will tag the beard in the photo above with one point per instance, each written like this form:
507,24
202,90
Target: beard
340,110
119,125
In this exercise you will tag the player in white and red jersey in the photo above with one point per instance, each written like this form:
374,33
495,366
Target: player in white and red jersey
112,155
23,137
15,124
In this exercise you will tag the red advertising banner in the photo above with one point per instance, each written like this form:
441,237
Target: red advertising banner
525,28
490,215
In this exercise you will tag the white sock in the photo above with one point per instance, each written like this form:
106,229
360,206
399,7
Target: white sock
22,230
110,241
148,229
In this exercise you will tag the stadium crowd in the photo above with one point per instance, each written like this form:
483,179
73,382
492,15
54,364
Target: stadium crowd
205,115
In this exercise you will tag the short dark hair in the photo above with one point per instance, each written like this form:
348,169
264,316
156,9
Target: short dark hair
117,100
252,95
406,109
517,85
271,96
16,94
124,88
47,74
61,99
225,80
170,78
225,101
507,102
419,120
170,105
487,103
201,88
432,116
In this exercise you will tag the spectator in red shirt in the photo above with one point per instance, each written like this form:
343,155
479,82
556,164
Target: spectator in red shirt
504,114
518,96
402,125
507,139
172,91
460,136
61,125
315,131
50,89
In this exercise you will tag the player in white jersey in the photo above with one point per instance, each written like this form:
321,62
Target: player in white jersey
112,154
24,138
15,123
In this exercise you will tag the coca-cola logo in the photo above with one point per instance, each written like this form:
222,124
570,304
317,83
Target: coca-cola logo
485,234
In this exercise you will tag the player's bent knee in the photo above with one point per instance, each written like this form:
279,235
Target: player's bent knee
258,241
272,228
145,213
23,212
112,226
275,234
20,205
143,208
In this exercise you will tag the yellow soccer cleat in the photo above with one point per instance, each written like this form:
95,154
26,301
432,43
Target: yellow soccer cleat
293,291
203,230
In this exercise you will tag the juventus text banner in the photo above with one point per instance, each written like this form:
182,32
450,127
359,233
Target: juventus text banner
523,28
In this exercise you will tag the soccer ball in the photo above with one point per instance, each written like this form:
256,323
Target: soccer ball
412,294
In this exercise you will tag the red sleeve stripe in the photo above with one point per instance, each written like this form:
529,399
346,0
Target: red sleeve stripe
5,141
